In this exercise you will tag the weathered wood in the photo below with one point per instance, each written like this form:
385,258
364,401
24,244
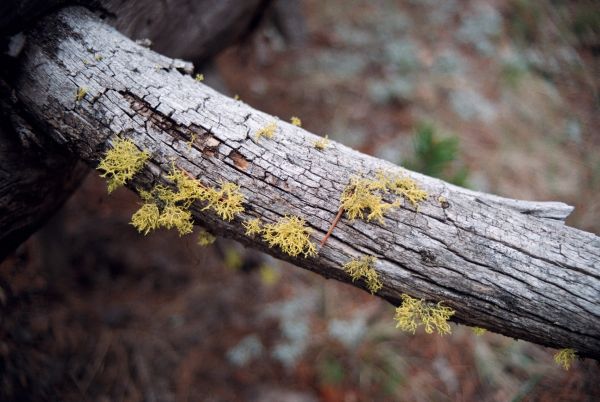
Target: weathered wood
502,268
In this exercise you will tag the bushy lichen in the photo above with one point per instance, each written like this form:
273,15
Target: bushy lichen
565,358
253,227
176,217
291,235
146,218
205,238
226,201
364,268
267,131
296,121
361,199
322,143
413,313
121,163
403,186
199,77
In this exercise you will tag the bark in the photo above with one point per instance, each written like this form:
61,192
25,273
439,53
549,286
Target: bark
509,266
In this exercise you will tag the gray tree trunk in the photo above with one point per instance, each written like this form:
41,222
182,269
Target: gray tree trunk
509,266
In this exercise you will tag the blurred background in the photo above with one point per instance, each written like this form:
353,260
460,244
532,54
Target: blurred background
500,96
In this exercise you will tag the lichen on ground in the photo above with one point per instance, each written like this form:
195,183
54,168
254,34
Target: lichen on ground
364,268
413,313
121,163
291,235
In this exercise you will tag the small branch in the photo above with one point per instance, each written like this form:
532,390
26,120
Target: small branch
333,225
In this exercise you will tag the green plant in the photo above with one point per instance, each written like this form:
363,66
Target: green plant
436,156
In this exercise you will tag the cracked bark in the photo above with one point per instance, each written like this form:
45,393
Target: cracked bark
509,266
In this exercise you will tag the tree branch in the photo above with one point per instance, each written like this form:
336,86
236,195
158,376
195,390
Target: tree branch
509,266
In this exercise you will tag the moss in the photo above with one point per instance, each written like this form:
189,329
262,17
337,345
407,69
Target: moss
413,313
478,331
253,227
205,238
175,217
296,121
267,131
364,268
291,235
80,94
322,143
565,358
146,218
121,163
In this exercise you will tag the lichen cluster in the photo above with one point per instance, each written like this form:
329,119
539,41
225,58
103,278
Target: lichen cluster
322,143
80,94
267,131
363,197
252,227
226,202
121,163
296,121
364,268
291,235
413,313
565,358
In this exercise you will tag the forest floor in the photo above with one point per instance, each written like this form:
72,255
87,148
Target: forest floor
92,311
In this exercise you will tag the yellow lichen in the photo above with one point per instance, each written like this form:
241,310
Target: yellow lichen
81,92
361,200
253,227
478,331
98,57
364,268
413,313
267,131
565,358
226,201
296,121
175,217
321,143
205,238
403,186
291,235
188,189
146,218
199,77
363,197
236,97
121,163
